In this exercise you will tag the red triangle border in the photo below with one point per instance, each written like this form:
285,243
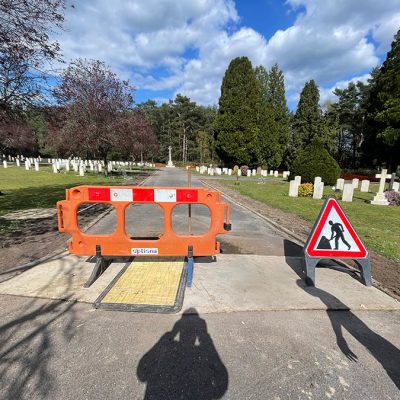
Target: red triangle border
329,253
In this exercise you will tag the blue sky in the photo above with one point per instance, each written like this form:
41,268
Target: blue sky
167,47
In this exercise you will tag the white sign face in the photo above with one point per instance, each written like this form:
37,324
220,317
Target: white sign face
144,251
121,194
165,195
335,235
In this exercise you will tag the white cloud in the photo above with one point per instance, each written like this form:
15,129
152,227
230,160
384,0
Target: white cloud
328,41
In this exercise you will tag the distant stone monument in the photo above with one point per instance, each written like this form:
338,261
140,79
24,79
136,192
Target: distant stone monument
380,199
170,163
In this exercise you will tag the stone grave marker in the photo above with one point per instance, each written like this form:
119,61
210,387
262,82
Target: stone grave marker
297,178
318,190
229,171
276,174
380,199
355,183
82,170
36,166
27,166
365,185
317,180
271,172
253,172
239,172
5,164
348,190
392,179
396,186
17,161
55,169
258,170
340,184
293,189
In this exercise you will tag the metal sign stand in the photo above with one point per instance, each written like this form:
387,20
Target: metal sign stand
311,262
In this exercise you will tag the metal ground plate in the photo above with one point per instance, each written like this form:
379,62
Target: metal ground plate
148,284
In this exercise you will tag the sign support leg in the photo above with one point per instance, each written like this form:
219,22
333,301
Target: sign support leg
310,264
100,266
190,267
365,266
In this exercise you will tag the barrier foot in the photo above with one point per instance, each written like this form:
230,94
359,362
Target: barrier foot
100,266
190,266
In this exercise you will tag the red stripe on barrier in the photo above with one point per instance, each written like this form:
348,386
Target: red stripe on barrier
99,194
143,194
186,195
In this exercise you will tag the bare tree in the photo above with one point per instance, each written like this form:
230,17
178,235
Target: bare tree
94,100
25,46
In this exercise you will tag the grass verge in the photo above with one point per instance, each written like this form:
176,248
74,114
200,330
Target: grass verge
30,189
378,226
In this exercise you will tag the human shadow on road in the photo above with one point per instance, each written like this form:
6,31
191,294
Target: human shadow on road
384,352
341,317
184,363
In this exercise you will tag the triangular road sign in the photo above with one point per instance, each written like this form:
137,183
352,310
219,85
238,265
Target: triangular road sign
333,236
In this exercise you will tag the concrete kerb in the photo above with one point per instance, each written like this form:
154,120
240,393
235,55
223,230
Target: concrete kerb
32,264
298,239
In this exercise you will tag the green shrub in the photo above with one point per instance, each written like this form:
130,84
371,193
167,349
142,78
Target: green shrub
306,190
314,161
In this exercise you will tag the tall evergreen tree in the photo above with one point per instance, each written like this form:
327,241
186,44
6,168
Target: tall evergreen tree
307,122
237,123
275,114
384,108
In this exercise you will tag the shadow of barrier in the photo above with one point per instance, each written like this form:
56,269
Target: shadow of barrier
119,244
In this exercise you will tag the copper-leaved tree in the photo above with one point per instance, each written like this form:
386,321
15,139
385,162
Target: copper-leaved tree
94,101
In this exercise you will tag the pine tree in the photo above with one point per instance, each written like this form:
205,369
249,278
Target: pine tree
307,122
275,114
237,123
384,107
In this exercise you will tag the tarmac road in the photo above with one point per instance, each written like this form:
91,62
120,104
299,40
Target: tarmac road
63,350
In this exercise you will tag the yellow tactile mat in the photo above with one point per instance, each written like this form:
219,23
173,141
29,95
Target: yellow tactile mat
149,282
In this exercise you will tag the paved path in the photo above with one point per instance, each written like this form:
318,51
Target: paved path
55,349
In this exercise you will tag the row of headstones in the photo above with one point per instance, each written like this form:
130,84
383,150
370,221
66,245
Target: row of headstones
76,163
236,170
318,190
347,188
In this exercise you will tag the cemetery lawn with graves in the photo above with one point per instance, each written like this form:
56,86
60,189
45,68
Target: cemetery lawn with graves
25,237
378,226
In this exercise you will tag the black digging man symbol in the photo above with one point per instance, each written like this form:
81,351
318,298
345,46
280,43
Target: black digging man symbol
337,233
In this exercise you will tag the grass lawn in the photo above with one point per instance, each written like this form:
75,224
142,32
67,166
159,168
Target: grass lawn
378,226
30,189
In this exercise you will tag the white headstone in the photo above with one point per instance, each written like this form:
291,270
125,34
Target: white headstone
100,167
297,179
27,166
17,161
36,166
55,169
239,172
365,185
5,164
67,165
271,172
276,174
286,174
229,171
348,190
293,189
317,180
340,184
355,182
396,186
211,171
81,170
253,172
318,190
380,199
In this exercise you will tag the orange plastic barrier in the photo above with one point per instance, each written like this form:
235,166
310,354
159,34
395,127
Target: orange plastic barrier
119,243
